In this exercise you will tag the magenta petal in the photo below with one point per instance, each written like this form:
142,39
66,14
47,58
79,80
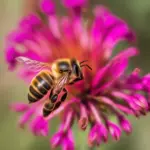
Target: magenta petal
67,28
48,7
10,56
110,30
30,22
118,63
83,121
20,36
103,132
67,144
103,20
94,138
74,3
108,18
141,101
125,124
26,75
114,131
24,24
70,135
136,101
97,30
119,67
57,139
134,77
54,26
39,126
25,117
19,107
130,99
97,133
134,81
34,20
119,32
146,82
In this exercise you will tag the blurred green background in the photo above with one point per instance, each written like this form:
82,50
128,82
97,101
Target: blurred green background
137,14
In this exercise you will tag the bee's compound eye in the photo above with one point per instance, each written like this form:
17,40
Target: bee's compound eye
63,67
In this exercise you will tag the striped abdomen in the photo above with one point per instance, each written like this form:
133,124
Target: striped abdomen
39,86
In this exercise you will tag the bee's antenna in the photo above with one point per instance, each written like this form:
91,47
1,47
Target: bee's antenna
86,66
83,61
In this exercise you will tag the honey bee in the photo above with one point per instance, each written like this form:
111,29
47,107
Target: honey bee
52,77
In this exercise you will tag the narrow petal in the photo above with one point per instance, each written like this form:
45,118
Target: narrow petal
146,82
118,63
118,33
67,144
83,121
20,36
141,101
125,124
114,131
19,107
56,139
10,56
109,19
73,4
95,113
67,28
94,138
97,30
30,23
103,132
48,7
54,26
134,77
39,126
25,117
68,120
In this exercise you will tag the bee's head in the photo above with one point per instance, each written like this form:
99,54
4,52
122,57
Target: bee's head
64,67
76,69
60,68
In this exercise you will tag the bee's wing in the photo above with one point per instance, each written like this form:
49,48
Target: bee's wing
61,82
32,65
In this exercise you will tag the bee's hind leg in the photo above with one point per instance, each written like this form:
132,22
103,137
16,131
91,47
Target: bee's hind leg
48,108
53,97
64,96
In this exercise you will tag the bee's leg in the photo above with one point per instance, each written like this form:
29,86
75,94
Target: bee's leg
53,97
80,77
57,105
64,96
76,80
48,108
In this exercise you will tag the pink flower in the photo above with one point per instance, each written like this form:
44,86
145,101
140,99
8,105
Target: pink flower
107,88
